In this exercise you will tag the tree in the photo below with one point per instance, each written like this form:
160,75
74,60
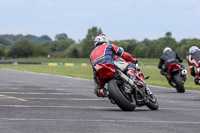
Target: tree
185,44
61,36
73,51
23,48
41,50
51,45
168,35
169,41
155,49
2,51
13,39
128,45
87,45
141,51
5,41
62,45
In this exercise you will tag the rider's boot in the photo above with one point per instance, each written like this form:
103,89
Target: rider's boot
168,77
131,75
111,100
138,83
172,83
101,92
164,73
197,81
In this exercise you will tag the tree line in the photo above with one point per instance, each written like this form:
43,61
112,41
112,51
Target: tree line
20,46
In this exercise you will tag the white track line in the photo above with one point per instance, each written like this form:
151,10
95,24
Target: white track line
159,87
39,93
60,85
90,107
67,99
113,121
75,107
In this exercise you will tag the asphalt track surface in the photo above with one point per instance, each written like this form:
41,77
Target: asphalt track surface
41,103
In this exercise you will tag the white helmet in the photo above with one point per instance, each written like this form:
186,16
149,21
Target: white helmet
193,49
166,49
100,39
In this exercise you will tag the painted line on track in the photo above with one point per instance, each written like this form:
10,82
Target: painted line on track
113,121
39,93
41,106
10,97
68,99
91,107
59,85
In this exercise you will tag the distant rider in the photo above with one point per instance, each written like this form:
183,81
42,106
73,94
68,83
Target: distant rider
104,53
194,62
167,59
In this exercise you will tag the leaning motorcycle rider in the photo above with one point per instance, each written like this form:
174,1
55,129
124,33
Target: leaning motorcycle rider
104,53
194,62
166,60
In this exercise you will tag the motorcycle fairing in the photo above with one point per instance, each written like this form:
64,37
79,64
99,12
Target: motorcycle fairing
104,71
173,66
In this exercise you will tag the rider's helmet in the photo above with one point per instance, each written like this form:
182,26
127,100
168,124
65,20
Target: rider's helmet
100,39
166,49
193,49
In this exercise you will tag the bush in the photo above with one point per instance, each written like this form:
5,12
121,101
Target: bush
23,48
58,54
73,51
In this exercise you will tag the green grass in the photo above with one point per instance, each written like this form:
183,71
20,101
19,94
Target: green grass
148,66
56,60
75,71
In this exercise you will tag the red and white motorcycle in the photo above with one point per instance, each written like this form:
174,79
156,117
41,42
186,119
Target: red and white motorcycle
123,90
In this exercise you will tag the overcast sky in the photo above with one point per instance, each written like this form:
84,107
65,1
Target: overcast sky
118,19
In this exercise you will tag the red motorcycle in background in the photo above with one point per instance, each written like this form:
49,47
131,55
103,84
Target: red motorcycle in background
177,77
123,91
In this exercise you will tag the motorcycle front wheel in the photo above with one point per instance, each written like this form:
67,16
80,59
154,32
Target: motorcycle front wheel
124,100
152,102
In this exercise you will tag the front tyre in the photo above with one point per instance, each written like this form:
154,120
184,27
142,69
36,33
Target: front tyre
152,102
124,100
179,84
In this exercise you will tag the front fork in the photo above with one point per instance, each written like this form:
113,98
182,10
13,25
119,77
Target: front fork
148,91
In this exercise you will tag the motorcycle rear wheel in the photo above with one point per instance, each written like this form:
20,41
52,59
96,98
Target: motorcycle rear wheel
179,84
124,100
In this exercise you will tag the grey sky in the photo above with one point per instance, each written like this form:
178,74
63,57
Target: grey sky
118,19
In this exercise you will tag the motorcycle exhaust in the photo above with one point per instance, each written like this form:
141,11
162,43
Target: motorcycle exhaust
128,80
125,78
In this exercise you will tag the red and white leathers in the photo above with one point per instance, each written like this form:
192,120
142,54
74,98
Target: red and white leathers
194,62
104,53
126,66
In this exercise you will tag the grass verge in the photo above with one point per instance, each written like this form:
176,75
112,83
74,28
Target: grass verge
73,71
86,72
56,60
